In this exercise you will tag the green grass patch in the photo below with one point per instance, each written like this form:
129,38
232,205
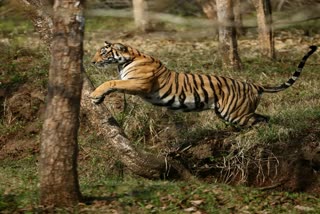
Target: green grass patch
139,195
20,64
18,184
98,23
15,26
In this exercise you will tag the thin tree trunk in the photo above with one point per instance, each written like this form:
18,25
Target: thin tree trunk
41,16
238,17
139,163
140,13
264,19
227,35
59,147
209,8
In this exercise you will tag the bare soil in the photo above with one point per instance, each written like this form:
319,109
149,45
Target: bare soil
23,109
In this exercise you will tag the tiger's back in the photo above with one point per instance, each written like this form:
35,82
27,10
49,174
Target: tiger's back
234,101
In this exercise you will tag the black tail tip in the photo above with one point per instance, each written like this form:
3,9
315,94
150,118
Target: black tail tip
313,48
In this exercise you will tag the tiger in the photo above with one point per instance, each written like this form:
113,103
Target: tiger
232,100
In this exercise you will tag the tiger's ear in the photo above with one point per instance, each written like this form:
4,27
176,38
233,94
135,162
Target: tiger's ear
120,47
107,44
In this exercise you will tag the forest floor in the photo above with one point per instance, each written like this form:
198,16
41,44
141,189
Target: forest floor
272,168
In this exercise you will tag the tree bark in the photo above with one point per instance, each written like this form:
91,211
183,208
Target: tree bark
139,163
227,35
238,18
264,19
140,14
40,13
59,147
209,8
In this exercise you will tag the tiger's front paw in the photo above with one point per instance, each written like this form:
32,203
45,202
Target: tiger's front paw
96,99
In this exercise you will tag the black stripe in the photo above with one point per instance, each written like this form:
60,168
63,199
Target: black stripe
132,70
234,102
166,82
290,82
187,81
197,101
167,93
238,98
159,66
223,95
230,98
171,101
194,81
161,71
176,80
114,53
206,97
241,102
216,99
126,64
139,78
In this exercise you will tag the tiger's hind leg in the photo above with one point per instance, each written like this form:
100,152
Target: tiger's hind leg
257,118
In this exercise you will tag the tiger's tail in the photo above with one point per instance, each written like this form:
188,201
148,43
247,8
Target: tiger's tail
295,75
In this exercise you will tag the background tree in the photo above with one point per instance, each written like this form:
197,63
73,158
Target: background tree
238,17
264,19
140,13
209,8
227,35
59,147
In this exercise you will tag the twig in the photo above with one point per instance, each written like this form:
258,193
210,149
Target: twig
272,186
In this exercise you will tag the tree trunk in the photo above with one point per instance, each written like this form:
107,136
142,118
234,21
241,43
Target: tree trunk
227,35
264,19
209,8
59,148
238,18
140,13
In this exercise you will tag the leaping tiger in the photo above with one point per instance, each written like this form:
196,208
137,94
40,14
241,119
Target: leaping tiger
140,74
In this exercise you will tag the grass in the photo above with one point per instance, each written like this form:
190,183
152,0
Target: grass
18,181
106,183
19,194
17,66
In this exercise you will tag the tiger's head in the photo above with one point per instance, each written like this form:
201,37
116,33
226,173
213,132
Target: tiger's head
116,53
